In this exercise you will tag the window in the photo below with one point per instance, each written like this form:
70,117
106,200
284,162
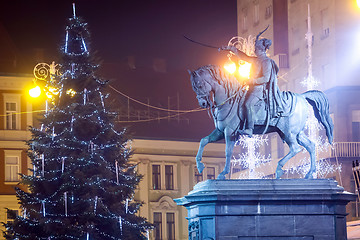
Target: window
163,176
169,177
12,166
256,13
295,40
244,20
156,178
10,113
210,173
170,226
325,27
11,215
157,226
164,213
268,12
11,109
198,176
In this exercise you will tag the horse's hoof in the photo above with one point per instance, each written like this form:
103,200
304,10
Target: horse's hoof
279,173
309,175
200,166
221,177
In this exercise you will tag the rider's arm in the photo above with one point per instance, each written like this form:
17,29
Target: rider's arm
240,54
266,73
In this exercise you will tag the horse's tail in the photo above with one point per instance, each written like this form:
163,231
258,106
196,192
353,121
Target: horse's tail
320,104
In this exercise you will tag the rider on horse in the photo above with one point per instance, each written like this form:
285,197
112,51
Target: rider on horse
262,83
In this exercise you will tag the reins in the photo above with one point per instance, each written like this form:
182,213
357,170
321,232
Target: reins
217,106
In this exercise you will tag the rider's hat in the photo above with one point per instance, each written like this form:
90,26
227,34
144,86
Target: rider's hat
263,43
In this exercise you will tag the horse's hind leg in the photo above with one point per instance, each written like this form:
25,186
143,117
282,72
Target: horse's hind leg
216,135
310,147
294,149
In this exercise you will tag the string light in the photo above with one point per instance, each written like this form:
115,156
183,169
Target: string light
92,160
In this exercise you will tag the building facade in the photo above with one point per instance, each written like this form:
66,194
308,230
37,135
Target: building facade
168,167
169,172
16,117
334,61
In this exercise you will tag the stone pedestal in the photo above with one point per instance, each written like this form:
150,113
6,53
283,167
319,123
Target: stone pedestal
267,209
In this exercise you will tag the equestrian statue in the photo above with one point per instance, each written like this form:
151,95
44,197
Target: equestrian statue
257,107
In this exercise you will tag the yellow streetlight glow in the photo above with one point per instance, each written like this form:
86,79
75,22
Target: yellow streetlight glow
230,66
244,70
71,92
53,90
358,3
35,92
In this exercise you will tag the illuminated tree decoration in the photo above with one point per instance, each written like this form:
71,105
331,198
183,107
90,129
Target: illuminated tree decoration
81,185
313,127
252,159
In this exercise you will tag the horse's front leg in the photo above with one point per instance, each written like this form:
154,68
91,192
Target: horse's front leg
216,135
230,143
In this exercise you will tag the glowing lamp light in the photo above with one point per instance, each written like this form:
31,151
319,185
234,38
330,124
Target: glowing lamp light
35,92
53,90
358,3
230,66
70,92
244,70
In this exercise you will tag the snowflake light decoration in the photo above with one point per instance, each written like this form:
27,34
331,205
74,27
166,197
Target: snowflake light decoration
251,159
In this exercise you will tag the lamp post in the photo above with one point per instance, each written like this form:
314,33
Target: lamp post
245,45
45,73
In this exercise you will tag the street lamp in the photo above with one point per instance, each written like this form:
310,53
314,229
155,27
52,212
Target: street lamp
44,72
245,45
35,92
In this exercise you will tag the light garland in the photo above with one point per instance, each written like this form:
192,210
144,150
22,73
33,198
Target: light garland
70,169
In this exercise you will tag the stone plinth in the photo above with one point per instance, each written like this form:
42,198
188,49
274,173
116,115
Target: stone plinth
267,209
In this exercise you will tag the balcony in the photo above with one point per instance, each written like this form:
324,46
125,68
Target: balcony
345,149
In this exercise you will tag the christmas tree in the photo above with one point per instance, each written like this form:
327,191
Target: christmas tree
82,184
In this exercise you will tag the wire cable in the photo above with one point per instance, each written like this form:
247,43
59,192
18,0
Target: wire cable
154,107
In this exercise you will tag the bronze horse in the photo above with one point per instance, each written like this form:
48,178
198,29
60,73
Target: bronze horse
224,96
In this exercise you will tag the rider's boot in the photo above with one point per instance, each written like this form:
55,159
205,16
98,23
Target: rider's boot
249,123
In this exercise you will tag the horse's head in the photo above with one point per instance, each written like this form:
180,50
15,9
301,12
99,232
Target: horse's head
201,86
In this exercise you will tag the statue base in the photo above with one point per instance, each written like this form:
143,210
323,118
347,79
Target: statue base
267,209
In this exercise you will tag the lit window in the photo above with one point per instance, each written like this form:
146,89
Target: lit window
198,176
210,173
12,168
10,113
157,226
156,178
169,177
170,226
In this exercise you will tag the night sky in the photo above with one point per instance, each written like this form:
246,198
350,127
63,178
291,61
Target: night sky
139,30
